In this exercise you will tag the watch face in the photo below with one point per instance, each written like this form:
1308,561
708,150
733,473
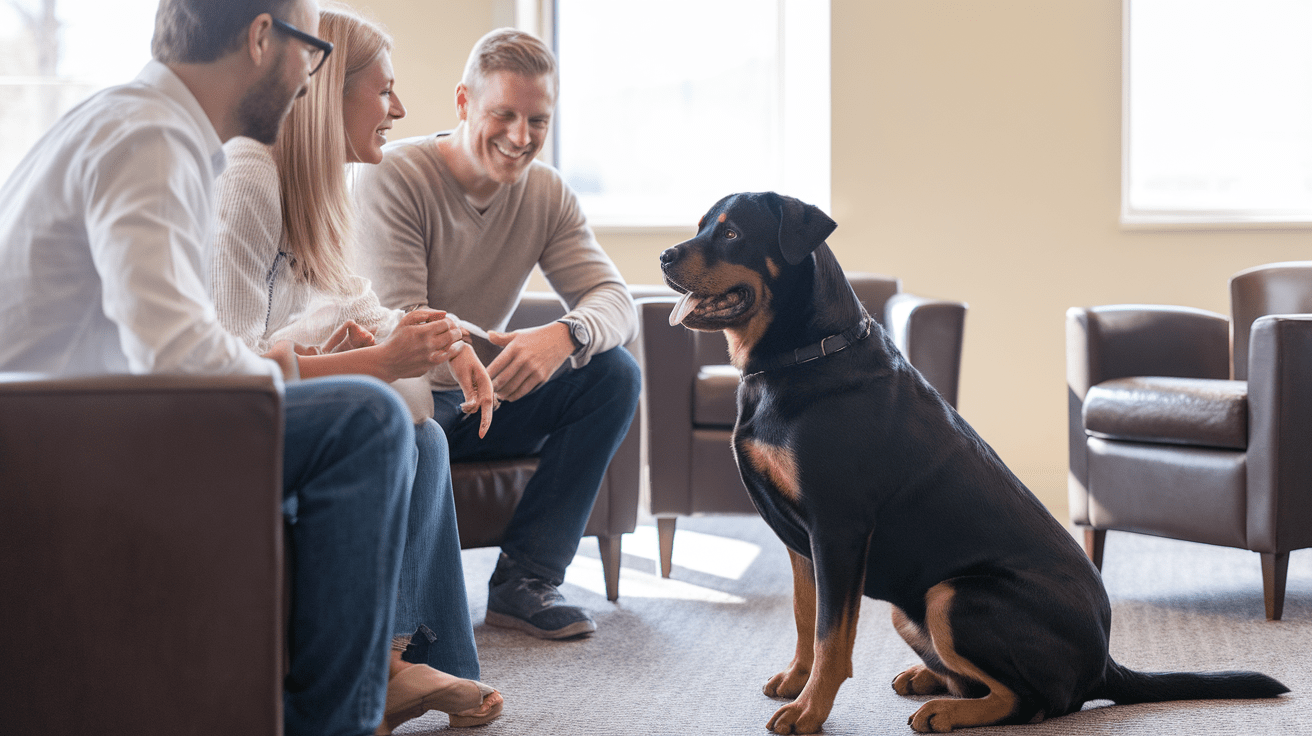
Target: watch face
578,332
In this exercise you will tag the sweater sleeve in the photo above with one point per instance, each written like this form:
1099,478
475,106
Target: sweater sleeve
327,312
248,233
577,268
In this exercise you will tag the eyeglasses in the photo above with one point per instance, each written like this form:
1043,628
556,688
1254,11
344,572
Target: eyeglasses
320,48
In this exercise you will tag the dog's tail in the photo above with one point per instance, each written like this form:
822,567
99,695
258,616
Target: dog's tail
1125,686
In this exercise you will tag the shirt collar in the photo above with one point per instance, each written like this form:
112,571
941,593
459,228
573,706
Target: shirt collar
159,76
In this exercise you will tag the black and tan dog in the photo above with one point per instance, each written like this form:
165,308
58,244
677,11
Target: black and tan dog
877,486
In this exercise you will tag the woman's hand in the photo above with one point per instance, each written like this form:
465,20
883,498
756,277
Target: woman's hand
422,339
347,337
477,385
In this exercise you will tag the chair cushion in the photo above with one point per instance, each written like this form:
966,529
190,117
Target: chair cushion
1203,412
715,396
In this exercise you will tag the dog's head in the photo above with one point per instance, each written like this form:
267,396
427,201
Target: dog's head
747,248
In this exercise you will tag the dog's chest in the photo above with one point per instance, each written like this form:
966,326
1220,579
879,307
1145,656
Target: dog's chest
769,466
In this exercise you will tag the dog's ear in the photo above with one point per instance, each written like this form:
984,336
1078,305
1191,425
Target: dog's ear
802,227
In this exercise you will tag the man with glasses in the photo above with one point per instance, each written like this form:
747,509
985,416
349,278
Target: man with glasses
104,231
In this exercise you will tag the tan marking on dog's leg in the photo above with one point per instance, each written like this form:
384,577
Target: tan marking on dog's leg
776,463
833,665
789,683
917,679
941,716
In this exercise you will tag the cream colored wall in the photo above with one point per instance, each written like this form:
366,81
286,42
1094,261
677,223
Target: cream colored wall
977,156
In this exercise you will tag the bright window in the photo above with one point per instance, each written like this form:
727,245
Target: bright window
1218,112
46,68
666,107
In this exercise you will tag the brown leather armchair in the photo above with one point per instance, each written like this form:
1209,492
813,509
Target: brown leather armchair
486,493
1173,434
141,554
141,557
690,406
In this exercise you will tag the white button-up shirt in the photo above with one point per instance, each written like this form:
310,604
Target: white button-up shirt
105,231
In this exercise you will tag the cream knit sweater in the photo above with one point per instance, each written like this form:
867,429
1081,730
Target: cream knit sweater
258,296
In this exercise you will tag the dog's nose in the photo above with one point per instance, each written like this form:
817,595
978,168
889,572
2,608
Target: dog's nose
669,255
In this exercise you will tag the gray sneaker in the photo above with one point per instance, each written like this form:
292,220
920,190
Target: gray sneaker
517,599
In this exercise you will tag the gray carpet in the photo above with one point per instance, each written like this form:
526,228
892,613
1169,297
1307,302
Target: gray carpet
689,655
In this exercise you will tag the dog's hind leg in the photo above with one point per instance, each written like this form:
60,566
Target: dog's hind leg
789,683
839,567
942,716
918,679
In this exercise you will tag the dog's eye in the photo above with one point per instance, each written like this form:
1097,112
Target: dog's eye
730,235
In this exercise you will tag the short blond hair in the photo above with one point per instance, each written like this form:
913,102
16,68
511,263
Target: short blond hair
311,154
509,50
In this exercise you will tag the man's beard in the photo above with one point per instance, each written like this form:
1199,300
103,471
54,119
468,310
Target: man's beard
264,106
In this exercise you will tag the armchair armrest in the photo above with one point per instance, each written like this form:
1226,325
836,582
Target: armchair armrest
669,365
929,332
141,556
1280,433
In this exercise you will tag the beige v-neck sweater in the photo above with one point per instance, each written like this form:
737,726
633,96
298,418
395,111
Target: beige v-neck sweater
422,242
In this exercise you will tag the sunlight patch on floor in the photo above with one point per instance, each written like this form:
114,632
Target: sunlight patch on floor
586,573
706,553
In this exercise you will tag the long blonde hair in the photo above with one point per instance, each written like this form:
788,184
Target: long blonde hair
311,154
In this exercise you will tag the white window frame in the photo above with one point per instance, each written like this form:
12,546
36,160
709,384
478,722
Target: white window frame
1213,218
805,105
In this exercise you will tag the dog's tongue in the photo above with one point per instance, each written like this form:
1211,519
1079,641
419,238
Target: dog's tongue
686,304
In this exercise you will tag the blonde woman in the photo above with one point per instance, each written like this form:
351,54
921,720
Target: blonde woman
281,271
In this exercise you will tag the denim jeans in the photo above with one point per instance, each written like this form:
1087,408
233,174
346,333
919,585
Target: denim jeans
432,589
574,423
348,466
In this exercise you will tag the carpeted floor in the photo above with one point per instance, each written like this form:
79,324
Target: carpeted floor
689,655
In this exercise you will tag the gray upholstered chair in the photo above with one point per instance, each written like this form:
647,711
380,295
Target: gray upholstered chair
1174,434
690,405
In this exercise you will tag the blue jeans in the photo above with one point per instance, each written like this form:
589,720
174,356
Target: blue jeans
348,465
574,423
432,589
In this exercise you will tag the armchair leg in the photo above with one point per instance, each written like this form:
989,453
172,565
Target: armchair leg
610,564
665,529
1275,568
1094,541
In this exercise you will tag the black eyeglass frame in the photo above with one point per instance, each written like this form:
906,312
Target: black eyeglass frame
325,46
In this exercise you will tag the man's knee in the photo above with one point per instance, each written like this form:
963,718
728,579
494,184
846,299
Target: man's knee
619,373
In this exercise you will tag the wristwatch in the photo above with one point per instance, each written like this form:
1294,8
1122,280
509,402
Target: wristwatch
578,332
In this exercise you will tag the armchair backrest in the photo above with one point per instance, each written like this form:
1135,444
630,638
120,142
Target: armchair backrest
1274,288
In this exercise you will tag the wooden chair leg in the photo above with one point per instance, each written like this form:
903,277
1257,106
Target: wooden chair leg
610,564
665,529
1094,541
1275,568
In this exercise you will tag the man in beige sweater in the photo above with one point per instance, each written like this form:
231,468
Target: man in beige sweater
457,221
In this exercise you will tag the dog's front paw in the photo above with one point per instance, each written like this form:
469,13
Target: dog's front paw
787,684
918,680
934,717
797,717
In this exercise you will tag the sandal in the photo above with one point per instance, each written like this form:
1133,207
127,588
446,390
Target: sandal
485,713
419,688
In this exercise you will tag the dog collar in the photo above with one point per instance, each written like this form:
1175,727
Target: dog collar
815,351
